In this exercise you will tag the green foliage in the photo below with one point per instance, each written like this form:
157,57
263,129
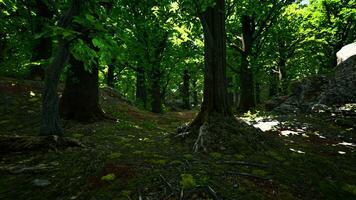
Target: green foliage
81,51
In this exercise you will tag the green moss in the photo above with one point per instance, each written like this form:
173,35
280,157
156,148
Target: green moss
216,155
108,177
187,181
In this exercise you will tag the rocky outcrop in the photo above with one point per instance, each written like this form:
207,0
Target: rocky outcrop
342,87
319,93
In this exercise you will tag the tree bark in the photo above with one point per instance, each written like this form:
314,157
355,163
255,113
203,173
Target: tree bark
273,86
80,98
215,82
141,90
110,75
185,90
156,101
195,93
50,114
247,100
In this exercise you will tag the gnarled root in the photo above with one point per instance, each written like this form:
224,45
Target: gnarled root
199,143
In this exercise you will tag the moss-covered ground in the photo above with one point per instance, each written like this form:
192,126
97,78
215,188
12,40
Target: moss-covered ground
137,157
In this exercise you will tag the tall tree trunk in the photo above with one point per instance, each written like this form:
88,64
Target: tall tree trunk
273,86
80,98
258,92
50,114
185,90
215,82
247,100
43,46
2,49
282,76
156,97
141,90
110,75
42,51
195,93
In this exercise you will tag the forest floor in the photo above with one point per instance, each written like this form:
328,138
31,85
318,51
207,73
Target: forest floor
136,157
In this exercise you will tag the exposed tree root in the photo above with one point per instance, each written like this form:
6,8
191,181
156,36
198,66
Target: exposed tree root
11,144
218,133
199,143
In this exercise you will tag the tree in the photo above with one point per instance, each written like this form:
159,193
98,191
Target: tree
50,114
185,90
80,98
256,20
43,45
215,100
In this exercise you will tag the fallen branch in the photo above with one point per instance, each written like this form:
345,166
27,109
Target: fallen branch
213,193
10,144
167,183
249,175
22,169
244,163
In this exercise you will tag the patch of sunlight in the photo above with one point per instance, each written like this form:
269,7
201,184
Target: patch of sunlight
305,135
316,133
320,136
266,126
347,144
289,133
13,84
138,127
342,152
32,94
348,107
297,151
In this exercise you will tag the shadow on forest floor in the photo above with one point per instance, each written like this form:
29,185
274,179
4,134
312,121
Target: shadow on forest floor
136,157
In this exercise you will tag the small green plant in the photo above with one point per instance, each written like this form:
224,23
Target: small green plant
108,177
216,155
187,181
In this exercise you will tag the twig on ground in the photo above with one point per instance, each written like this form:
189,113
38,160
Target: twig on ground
244,163
181,194
213,193
167,183
249,175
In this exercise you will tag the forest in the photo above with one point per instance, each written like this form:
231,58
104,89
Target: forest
178,99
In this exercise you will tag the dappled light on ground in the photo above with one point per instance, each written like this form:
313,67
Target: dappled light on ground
135,155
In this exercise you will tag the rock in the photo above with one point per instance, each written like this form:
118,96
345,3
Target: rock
346,52
286,108
345,122
274,102
320,93
41,182
320,108
342,87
